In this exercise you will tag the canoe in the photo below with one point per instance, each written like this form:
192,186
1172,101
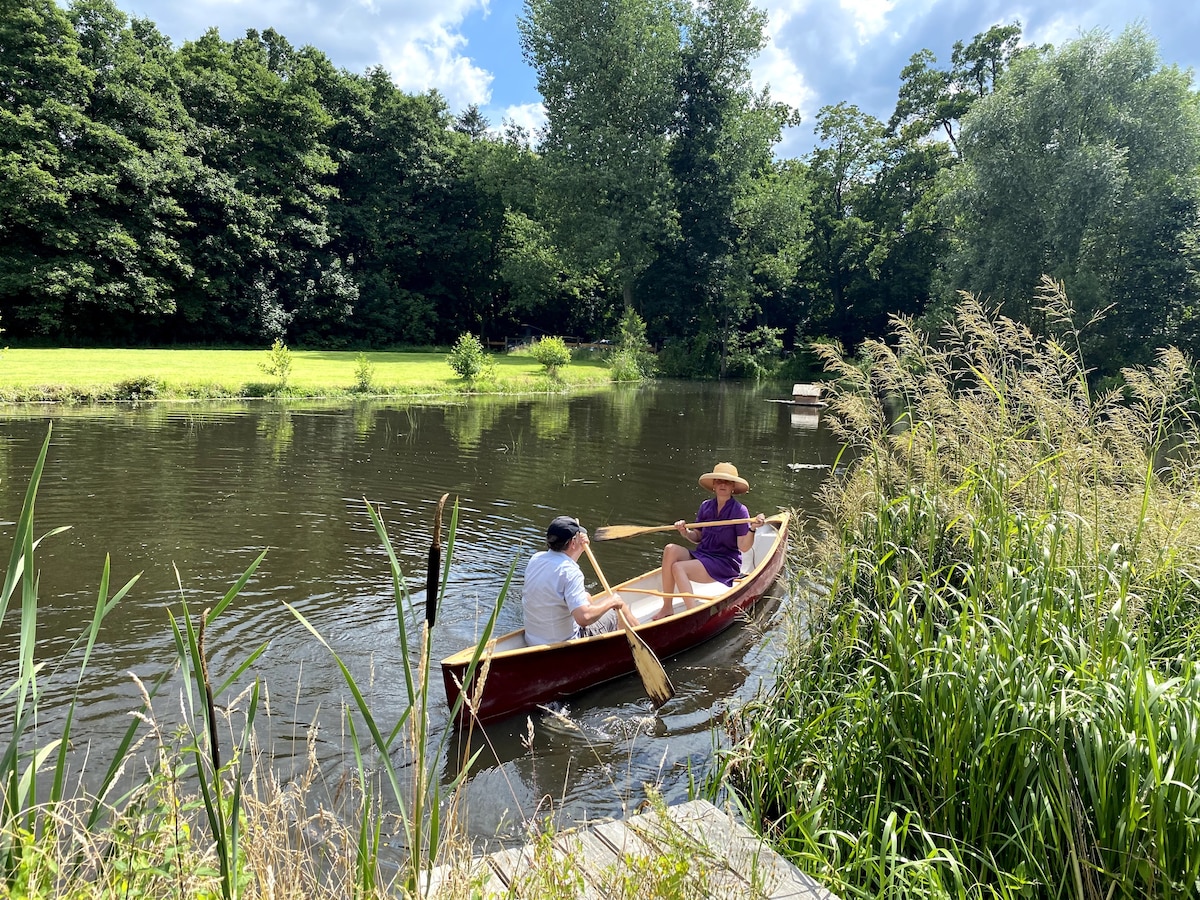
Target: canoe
517,678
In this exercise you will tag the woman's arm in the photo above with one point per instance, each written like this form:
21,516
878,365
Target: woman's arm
746,541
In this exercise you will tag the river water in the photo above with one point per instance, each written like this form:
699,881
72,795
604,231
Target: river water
188,495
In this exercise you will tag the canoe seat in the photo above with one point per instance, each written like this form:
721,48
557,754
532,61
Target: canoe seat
709,589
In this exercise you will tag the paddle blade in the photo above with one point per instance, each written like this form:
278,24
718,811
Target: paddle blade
654,676
616,532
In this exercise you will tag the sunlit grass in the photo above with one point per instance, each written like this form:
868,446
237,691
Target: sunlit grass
994,692
104,374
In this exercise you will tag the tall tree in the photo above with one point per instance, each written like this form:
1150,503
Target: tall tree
607,71
44,89
934,101
131,228
720,146
1082,166
394,218
261,196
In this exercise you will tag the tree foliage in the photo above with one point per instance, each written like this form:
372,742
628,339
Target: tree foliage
246,191
1082,165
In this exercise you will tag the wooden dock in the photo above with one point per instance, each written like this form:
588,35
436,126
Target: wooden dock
692,850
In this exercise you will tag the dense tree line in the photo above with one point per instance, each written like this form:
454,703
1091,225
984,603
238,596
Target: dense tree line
235,192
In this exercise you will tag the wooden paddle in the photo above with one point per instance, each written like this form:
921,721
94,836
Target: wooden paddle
654,676
433,574
613,532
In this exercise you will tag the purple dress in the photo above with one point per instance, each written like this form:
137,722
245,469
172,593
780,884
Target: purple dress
718,549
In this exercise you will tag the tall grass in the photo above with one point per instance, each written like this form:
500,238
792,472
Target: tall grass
185,812
997,694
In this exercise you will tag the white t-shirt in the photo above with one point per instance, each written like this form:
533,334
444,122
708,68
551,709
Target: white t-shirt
553,588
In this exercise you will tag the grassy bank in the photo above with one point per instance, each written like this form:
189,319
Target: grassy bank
995,692
90,375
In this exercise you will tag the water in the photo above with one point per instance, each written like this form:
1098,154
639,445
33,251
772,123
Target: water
188,495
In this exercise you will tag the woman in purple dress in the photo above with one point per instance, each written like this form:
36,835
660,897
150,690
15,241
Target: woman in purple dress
718,552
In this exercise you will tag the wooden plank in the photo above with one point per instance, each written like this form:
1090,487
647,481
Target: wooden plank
510,864
622,841
766,873
450,881
708,873
592,858
531,873
718,855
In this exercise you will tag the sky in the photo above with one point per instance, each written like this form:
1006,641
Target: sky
819,52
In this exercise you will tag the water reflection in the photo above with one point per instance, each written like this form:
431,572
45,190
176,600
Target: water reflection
201,489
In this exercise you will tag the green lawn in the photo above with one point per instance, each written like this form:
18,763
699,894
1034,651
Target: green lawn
80,374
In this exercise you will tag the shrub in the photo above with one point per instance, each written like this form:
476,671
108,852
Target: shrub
634,359
623,365
143,387
467,357
278,363
754,354
552,353
364,374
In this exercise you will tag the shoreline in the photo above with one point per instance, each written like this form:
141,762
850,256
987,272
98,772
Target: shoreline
71,376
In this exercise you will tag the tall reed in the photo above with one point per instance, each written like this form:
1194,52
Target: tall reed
175,813
997,696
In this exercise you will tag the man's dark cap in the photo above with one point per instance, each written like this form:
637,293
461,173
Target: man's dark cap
562,529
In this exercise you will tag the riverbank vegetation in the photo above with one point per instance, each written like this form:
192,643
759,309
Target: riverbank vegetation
235,192
88,375
995,690
196,808
195,802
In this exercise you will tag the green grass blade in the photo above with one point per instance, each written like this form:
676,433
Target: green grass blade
233,592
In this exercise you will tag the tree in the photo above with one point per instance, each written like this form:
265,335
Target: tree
129,230
260,200
721,143
607,74
843,171
1082,166
44,88
935,100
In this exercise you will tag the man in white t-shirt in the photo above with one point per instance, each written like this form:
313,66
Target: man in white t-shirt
556,602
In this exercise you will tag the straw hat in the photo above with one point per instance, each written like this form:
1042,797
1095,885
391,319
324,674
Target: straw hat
726,472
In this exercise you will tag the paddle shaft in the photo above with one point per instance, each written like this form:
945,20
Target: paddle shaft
609,532
596,566
667,593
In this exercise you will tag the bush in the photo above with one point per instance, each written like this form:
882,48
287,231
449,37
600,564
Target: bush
278,363
552,353
995,681
143,387
634,358
467,357
364,374
754,354
624,366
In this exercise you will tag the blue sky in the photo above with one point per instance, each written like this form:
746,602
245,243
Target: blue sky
820,51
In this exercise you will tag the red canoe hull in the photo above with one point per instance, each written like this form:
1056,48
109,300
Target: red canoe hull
519,679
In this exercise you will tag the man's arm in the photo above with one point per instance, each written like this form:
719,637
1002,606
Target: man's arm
596,607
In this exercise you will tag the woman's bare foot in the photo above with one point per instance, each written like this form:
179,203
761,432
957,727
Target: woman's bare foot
667,610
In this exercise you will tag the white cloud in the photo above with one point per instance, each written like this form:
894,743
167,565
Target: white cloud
422,47
775,66
870,16
430,57
530,116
